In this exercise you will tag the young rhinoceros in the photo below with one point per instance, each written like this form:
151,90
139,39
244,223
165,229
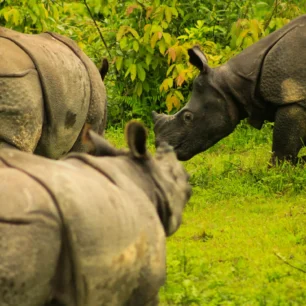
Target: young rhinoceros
86,230
48,90
266,81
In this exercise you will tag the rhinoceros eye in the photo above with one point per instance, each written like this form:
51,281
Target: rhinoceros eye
188,117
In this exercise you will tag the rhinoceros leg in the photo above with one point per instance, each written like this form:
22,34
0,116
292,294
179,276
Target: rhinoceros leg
54,303
289,133
28,259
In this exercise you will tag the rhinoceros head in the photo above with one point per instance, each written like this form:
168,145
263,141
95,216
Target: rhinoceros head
204,120
162,177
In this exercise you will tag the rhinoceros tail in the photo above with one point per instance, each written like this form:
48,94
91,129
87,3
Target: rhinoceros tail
104,68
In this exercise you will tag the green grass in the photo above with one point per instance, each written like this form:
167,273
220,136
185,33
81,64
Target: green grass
243,237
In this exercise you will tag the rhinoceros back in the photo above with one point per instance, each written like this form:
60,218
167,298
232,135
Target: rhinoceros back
21,98
97,210
283,77
72,90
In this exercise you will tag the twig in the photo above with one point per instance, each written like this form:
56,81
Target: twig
269,20
288,263
94,21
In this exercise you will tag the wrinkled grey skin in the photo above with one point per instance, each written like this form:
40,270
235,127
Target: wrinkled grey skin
87,230
267,81
49,89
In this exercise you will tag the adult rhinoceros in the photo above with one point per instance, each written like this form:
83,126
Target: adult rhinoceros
48,90
87,230
266,81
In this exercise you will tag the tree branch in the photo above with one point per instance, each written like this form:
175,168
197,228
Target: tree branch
94,21
288,263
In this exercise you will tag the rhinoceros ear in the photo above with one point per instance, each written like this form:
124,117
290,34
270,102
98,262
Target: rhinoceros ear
198,59
104,68
97,145
136,136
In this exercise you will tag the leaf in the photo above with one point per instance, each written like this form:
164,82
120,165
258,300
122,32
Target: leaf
170,69
134,32
148,59
164,24
149,12
154,63
154,39
241,37
174,11
162,47
146,86
171,54
254,29
131,8
121,32
170,82
123,43
133,70
135,45
15,16
146,36
167,38
127,72
119,60
179,95
181,78
168,13
138,89
166,84
141,72
169,102
175,101
156,28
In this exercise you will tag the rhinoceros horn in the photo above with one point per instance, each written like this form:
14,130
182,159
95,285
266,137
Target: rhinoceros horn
155,116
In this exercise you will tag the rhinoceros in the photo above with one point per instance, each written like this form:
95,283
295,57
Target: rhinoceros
266,81
88,230
49,89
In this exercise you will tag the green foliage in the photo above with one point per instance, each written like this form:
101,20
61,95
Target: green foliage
29,15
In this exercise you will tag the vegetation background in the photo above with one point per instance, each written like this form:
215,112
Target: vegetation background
243,239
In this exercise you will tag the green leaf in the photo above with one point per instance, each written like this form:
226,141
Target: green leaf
146,86
121,32
156,28
162,46
168,13
156,36
123,43
134,32
138,89
241,36
167,37
170,69
133,70
141,72
148,59
119,60
164,24
135,45
179,95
